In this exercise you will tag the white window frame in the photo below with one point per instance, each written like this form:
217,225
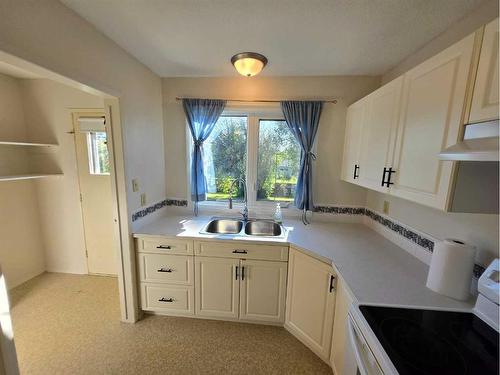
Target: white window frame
254,113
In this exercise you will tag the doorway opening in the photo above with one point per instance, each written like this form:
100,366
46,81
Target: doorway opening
96,198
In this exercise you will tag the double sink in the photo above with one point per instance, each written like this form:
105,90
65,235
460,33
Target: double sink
252,227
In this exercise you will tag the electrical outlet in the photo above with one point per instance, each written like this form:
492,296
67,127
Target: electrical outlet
386,207
143,199
135,185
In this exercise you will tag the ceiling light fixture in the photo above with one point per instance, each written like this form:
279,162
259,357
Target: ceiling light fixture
249,64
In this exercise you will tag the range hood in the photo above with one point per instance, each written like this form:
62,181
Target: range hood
477,176
480,144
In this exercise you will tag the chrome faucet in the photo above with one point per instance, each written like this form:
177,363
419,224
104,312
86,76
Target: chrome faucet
245,209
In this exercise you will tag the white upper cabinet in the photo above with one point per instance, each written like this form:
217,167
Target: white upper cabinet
432,107
379,134
352,143
396,133
485,97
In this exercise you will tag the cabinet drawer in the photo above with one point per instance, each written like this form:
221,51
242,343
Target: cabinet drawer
241,250
167,299
164,245
162,268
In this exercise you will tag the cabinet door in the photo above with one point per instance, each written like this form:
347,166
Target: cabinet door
216,287
343,302
485,96
431,117
263,290
310,302
352,142
379,134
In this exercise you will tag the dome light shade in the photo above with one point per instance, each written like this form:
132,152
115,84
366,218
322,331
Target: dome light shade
249,64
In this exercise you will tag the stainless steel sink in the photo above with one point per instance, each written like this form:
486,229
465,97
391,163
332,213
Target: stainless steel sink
262,228
224,226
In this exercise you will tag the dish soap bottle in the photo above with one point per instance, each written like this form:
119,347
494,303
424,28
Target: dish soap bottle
278,216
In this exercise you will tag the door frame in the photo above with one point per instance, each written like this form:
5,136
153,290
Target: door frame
76,130
128,296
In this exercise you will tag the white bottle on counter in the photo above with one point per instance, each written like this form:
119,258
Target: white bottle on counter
278,216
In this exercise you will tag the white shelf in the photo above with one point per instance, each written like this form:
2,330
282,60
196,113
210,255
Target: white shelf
13,143
28,176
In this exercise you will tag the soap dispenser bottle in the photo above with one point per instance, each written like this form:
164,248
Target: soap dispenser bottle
278,216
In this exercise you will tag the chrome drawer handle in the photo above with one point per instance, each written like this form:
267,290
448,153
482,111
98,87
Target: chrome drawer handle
163,299
164,270
239,252
164,247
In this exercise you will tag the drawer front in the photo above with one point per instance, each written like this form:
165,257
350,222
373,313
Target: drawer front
164,245
167,299
162,268
241,250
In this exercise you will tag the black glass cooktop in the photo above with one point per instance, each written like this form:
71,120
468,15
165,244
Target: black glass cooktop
434,342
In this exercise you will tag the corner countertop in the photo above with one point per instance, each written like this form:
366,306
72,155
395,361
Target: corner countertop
376,270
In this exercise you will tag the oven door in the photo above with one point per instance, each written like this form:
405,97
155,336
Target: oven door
361,352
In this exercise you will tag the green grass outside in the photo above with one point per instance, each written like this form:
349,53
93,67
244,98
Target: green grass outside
225,197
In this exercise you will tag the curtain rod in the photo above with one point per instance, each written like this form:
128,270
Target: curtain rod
334,101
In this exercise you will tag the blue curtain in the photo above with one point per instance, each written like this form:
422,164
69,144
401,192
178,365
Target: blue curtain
202,115
302,118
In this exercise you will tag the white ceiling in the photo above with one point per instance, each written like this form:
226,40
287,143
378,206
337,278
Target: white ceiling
299,37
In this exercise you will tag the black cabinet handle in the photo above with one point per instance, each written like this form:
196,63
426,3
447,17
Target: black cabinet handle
163,299
332,283
239,251
236,277
383,176
164,247
164,270
243,273
389,172
356,169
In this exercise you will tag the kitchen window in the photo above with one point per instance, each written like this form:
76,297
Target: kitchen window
256,148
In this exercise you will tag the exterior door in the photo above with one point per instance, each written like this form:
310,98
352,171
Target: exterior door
263,290
96,195
217,287
379,134
431,118
352,143
310,302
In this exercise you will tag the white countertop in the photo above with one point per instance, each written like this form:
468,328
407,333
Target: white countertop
375,269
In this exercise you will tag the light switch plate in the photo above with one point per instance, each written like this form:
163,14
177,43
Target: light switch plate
135,185
143,199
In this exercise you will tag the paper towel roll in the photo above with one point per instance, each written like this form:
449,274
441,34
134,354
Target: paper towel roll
451,268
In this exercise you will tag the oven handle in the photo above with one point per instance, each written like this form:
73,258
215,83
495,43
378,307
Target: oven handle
352,333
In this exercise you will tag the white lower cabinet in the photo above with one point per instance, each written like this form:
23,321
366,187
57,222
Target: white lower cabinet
239,289
310,302
262,291
167,299
343,301
217,287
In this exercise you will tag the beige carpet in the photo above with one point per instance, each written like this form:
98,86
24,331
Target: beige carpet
69,324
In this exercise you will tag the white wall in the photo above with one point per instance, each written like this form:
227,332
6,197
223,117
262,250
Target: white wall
49,34
48,107
328,187
481,230
21,245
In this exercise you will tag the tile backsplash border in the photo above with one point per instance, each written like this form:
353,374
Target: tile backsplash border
158,205
418,238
